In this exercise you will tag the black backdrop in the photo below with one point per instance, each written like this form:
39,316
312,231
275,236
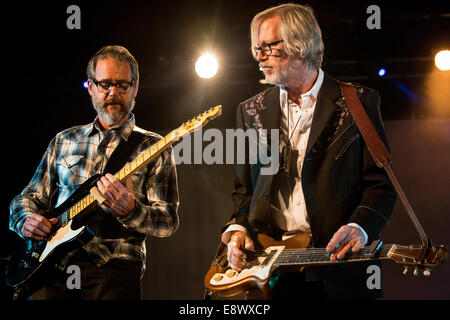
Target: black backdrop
44,68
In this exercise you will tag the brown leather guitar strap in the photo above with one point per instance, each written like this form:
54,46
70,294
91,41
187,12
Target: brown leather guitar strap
380,154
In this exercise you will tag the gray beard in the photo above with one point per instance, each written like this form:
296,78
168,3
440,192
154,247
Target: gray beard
113,117
283,76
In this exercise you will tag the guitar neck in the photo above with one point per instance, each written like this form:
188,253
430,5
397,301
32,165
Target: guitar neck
128,170
146,156
315,256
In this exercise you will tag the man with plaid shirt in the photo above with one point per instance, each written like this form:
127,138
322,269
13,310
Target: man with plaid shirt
113,262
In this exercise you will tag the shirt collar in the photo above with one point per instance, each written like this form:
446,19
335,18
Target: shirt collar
314,91
311,93
124,129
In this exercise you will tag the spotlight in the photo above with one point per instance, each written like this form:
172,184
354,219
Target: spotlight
442,60
85,85
382,72
206,66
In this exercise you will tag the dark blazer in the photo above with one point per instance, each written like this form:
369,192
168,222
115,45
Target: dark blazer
340,180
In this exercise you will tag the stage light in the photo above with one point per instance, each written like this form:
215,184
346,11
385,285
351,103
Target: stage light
442,60
382,72
85,85
206,66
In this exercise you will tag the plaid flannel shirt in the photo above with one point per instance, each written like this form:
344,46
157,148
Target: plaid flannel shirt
80,152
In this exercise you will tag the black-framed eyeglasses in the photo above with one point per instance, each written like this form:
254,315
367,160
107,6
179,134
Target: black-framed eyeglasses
266,48
105,86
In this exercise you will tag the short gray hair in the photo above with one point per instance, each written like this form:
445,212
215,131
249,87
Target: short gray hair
299,30
117,52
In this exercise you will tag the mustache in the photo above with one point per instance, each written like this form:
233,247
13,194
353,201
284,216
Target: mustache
113,101
262,66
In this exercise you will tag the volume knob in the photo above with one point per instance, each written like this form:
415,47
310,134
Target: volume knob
218,277
230,272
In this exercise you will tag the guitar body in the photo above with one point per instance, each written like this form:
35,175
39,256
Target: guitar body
254,279
31,256
294,254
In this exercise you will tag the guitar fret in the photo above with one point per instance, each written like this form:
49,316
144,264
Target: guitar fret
161,143
147,154
120,175
133,165
170,136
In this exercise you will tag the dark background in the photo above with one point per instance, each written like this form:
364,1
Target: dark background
44,67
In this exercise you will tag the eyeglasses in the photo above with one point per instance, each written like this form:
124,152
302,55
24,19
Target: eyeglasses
105,86
266,48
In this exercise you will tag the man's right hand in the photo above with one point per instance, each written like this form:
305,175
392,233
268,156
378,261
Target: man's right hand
37,226
236,258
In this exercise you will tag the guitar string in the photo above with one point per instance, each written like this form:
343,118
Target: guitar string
309,251
314,250
322,254
82,204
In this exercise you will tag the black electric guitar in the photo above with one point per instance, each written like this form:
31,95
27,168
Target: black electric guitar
270,255
71,231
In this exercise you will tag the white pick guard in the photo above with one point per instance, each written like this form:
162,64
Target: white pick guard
61,236
261,272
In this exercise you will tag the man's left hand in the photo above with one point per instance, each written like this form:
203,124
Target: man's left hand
346,238
119,198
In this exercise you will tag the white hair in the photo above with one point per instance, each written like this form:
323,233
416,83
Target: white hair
299,30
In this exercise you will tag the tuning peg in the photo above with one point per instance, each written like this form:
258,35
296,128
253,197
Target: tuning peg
405,270
427,272
416,271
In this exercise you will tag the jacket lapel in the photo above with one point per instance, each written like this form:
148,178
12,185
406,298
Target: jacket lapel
270,111
325,107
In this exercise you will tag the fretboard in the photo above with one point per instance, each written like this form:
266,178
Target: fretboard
313,256
129,169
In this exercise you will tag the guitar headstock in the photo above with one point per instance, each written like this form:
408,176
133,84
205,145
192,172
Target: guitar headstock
199,121
409,256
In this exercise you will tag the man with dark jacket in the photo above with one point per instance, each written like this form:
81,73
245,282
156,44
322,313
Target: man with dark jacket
328,186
